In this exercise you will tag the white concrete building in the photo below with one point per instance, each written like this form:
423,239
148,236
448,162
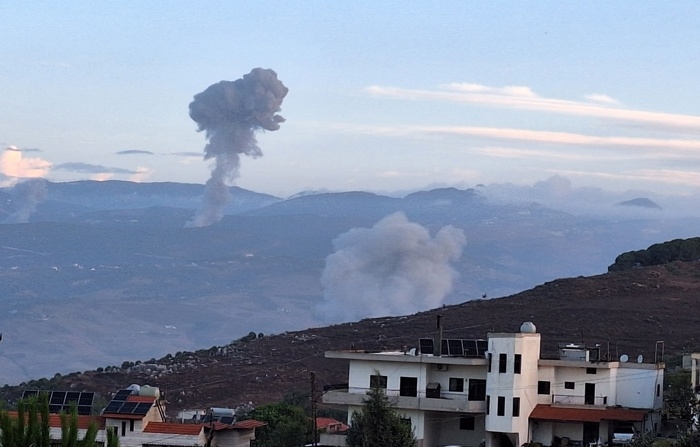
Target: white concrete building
508,395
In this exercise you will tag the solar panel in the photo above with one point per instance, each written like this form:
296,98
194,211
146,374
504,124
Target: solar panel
57,398
128,407
86,399
482,346
454,347
142,408
85,409
426,345
55,408
469,347
113,407
122,395
29,393
72,396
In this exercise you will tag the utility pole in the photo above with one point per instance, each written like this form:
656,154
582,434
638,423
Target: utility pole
313,408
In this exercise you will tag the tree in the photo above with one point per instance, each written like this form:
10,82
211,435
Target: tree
378,424
681,401
287,426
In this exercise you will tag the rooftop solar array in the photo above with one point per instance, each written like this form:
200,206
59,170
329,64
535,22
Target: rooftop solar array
119,405
61,400
455,347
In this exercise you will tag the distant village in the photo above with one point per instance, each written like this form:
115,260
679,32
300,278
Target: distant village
493,392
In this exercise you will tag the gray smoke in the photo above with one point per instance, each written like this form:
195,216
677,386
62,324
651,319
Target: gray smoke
25,197
230,112
393,268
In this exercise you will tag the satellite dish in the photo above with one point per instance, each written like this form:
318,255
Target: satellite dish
412,351
624,358
640,358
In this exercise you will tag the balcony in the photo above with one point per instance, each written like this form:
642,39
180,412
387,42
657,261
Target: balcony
456,402
563,399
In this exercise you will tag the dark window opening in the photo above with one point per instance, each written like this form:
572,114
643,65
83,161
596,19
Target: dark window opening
477,389
457,384
466,423
518,363
516,407
658,390
543,387
406,421
377,381
488,404
131,425
591,371
501,410
569,385
408,386
502,362
490,361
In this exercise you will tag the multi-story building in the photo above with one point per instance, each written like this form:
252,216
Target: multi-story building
499,392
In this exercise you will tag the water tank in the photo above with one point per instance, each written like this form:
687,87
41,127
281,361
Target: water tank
149,391
134,388
528,328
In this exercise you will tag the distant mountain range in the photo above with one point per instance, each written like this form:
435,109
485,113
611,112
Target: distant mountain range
105,271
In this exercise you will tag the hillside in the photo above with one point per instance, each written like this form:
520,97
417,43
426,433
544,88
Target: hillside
631,310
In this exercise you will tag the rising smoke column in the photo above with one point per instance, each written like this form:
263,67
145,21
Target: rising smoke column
25,197
393,268
230,112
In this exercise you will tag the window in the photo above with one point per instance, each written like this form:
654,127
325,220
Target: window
518,363
377,381
406,421
457,384
502,362
501,410
658,390
542,387
591,371
477,389
408,386
569,385
490,361
516,407
488,404
466,422
131,425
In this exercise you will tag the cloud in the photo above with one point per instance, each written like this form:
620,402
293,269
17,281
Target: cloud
13,164
141,175
522,98
539,136
669,176
188,154
85,168
602,98
134,152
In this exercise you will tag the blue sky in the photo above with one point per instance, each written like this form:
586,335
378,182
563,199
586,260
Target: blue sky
383,96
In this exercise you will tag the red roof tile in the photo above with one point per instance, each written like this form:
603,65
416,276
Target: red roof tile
322,423
83,420
141,399
578,414
171,428
248,424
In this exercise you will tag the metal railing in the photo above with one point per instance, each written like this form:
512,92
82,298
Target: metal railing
564,399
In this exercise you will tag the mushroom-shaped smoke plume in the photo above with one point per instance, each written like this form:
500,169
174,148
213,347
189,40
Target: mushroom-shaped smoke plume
230,112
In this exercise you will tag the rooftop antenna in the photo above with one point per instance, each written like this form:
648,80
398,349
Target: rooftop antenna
439,336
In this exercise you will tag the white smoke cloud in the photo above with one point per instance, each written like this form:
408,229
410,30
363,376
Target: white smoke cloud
25,197
393,268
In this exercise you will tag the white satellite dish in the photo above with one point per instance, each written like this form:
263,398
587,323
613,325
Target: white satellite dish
624,358
640,358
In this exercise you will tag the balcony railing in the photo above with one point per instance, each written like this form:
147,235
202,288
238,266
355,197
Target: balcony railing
563,399
447,401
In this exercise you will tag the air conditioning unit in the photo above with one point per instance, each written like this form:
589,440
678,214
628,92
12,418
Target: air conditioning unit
441,367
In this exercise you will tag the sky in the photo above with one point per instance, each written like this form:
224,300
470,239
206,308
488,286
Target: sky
383,96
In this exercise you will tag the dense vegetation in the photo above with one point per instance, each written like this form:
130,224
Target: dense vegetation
657,254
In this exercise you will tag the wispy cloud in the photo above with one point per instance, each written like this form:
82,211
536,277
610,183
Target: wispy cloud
134,152
523,98
602,98
667,176
188,154
538,136
85,168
